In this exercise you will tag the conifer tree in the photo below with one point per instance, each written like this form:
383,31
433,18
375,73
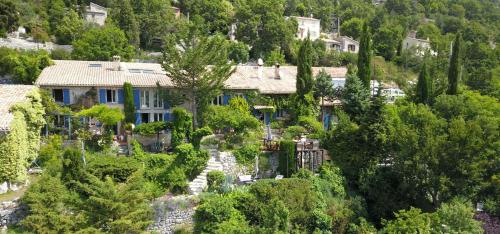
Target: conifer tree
455,65
128,103
423,85
364,56
304,69
355,98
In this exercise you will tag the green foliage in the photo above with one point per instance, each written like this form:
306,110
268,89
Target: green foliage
177,180
215,181
152,128
102,44
198,135
125,18
24,67
424,91
202,83
191,160
14,150
352,27
323,87
238,52
286,165
305,82
182,126
213,213
247,153
240,104
69,29
275,57
455,66
128,104
117,168
47,210
386,40
312,125
364,56
50,151
10,17
410,221
106,115
355,98
72,167
294,132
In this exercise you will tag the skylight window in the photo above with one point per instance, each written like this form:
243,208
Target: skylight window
139,71
134,70
148,71
95,65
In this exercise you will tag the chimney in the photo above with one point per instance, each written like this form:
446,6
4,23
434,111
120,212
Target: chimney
260,71
277,74
116,63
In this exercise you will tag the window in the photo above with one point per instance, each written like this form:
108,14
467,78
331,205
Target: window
145,98
57,94
218,101
95,65
157,100
111,96
145,118
351,47
157,117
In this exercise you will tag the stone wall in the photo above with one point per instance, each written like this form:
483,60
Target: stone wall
10,214
172,213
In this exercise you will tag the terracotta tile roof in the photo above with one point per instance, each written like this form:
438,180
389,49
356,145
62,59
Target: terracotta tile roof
101,74
10,95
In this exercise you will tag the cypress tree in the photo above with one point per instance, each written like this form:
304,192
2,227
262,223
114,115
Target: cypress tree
304,69
128,103
423,85
364,56
455,65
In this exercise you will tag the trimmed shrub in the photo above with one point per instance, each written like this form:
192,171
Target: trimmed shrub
128,104
198,135
182,126
294,132
247,153
215,180
286,165
177,181
191,160
118,168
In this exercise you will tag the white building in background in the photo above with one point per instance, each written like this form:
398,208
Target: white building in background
420,45
96,14
340,43
308,25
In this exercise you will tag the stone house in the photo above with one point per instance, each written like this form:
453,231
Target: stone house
308,26
70,80
420,45
96,14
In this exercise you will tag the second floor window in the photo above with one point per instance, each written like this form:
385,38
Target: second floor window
57,94
145,98
157,100
218,101
111,95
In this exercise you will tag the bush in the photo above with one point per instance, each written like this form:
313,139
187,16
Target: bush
293,132
177,181
286,165
246,154
239,104
118,168
198,135
310,124
182,126
215,181
50,150
191,160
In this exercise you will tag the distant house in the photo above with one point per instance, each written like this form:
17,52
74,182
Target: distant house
70,80
341,43
308,26
420,45
378,2
96,14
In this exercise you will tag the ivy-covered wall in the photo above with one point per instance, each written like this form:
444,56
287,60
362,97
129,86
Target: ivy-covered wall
20,145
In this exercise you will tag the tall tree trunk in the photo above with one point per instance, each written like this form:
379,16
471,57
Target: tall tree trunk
194,111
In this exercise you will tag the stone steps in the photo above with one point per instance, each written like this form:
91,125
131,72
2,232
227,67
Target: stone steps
200,182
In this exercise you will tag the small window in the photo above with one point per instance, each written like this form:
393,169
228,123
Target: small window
218,101
111,95
351,47
145,118
157,117
147,71
134,70
95,65
145,98
57,94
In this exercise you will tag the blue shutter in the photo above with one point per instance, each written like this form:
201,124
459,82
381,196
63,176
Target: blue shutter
138,118
326,120
137,100
66,97
166,117
267,118
102,96
225,99
120,96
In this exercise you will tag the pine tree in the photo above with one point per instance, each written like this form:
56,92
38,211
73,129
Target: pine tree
355,98
128,104
423,91
455,65
364,57
304,69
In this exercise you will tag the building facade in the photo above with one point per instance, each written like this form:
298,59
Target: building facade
96,14
308,26
72,81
